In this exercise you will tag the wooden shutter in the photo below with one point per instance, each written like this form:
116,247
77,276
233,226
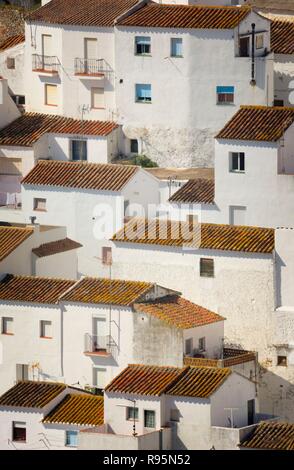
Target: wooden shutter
46,45
98,98
51,94
90,48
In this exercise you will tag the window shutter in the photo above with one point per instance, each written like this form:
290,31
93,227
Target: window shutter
206,267
98,98
51,95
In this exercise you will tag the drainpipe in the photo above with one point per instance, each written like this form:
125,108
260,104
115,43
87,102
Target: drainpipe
253,81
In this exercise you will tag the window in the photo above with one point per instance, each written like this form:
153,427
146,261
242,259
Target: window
39,204
19,432
225,94
7,326
22,372
282,361
237,162
149,419
244,44
106,255
71,438
278,102
237,215
45,329
19,100
134,146
143,45
192,219
143,93
51,95
188,346
201,344
97,98
79,150
10,62
206,267
132,413
176,47
99,377
175,415
259,43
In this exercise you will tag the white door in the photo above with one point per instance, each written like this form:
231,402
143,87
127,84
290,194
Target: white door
99,377
46,45
90,48
237,215
99,327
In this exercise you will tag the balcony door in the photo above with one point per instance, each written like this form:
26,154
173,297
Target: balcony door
46,50
99,333
90,54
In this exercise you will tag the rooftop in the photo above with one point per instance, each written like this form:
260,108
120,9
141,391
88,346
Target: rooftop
29,394
181,173
12,41
178,312
33,289
198,191
80,175
78,409
157,380
105,291
198,236
28,128
258,123
81,12
11,238
282,36
156,15
55,247
271,436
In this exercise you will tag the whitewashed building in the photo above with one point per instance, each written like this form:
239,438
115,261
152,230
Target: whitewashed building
12,67
46,416
149,407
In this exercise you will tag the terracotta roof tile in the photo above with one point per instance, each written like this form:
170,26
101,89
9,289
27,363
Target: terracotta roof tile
282,37
258,123
271,436
178,312
11,238
105,291
78,409
144,380
202,236
82,12
157,380
199,382
12,41
198,191
29,127
155,15
33,289
83,175
31,394
57,246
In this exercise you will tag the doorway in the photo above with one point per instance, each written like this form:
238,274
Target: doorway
244,46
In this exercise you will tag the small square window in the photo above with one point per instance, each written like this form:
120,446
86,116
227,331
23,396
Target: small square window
237,162
282,361
97,97
71,438
143,93
143,45
279,103
132,413
188,346
206,267
202,344
134,146
39,204
79,150
225,94
176,46
259,41
106,255
51,95
45,329
149,419
10,62
19,431
7,326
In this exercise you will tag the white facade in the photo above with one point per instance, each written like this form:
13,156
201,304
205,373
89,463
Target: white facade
8,109
15,75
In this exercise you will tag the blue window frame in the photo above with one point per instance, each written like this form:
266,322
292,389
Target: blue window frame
176,47
71,438
225,94
143,45
143,93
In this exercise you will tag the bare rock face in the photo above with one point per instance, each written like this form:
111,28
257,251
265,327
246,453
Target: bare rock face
11,21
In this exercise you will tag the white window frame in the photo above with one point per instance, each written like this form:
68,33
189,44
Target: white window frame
231,158
37,200
43,325
4,330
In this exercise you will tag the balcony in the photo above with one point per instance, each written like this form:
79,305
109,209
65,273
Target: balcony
45,64
103,346
231,357
96,68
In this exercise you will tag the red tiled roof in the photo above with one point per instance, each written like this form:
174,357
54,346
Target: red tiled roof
198,236
282,36
28,128
78,409
83,175
82,12
178,312
11,238
198,191
33,289
57,246
29,394
12,41
155,15
271,436
258,123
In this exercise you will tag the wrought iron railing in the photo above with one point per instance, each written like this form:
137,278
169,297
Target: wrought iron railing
91,66
100,344
46,63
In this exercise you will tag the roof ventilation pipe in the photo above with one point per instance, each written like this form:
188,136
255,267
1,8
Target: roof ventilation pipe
253,81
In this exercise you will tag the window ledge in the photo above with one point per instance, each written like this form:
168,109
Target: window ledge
240,172
52,105
40,210
144,102
143,55
8,334
177,56
225,104
46,337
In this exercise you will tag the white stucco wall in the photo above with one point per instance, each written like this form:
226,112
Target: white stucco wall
15,77
283,78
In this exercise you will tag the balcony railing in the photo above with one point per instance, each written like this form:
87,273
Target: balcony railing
99,345
45,63
91,67
231,357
